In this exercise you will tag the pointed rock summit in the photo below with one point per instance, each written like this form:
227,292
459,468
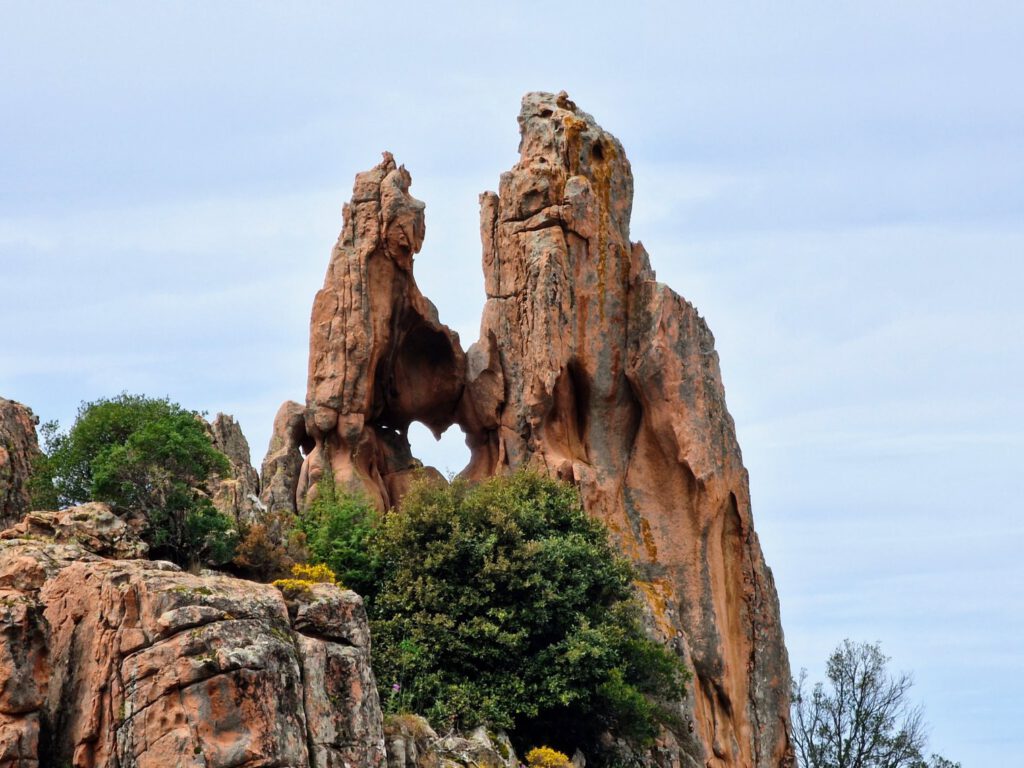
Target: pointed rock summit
587,369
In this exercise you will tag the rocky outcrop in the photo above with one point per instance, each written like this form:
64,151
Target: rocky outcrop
412,743
379,357
92,526
588,369
238,494
19,449
611,381
109,662
283,463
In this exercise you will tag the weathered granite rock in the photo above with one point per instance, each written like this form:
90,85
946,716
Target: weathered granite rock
282,466
237,495
92,526
587,369
412,743
19,449
133,663
379,356
611,381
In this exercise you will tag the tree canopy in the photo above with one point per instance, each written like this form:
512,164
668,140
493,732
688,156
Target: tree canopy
863,718
146,457
505,603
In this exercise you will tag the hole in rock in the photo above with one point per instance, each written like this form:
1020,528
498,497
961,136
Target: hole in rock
449,455
597,151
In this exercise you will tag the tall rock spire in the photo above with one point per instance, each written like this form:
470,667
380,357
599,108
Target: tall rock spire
586,369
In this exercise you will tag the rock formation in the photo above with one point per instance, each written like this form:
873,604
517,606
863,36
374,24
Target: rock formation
412,743
237,495
283,463
379,357
587,369
19,448
111,662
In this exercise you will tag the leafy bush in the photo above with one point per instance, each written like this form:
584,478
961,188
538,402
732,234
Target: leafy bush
339,529
303,578
505,603
145,457
545,757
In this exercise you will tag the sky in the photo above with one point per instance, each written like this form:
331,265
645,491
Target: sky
838,187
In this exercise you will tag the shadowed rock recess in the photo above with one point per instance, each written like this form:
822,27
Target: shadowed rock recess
587,369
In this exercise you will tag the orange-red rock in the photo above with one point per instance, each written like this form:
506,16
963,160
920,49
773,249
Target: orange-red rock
110,663
18,451
379,356
237,494
588,369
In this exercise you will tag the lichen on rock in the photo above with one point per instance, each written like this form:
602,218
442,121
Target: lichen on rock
134,663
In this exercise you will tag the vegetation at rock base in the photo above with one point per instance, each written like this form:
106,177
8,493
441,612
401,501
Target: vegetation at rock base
148,458
504,603
339,530
863,718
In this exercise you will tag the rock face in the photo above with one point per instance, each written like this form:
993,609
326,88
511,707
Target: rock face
283,463
18,451
110,663
412,743
237,496
379,357
587,369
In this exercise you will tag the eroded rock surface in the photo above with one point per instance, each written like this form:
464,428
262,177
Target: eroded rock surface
611,381
379,357
282,465
133,663
19,448
237,495
412,743
588,369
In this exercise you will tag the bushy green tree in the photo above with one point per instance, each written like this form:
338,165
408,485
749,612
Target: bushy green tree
147,457
339,529
863,718
505,603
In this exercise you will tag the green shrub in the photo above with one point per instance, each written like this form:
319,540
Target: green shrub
505,603
148,457
339,529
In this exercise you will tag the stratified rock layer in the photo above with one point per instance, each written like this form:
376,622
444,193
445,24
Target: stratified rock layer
19,448
110,663
587,369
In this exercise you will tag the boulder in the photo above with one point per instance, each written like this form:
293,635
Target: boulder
282,466
412,743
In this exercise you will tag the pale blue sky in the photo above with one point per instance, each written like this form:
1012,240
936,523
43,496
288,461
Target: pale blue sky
838,187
